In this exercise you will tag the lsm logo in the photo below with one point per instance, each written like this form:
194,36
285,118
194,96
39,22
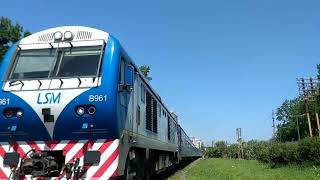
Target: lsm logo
49,98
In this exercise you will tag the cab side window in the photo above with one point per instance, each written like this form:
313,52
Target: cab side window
126,72
143,93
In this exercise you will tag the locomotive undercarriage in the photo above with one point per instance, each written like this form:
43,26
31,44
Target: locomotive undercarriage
143,163
47,164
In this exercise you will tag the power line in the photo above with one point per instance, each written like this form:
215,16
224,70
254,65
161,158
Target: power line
308,89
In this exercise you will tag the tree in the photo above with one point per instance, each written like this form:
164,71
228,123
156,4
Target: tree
291,115
145,70
287,115
9,34
286,110
233,151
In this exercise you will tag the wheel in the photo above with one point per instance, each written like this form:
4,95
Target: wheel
149,168
129,172
133,169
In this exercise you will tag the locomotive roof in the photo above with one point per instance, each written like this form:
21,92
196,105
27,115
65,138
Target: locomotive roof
80,33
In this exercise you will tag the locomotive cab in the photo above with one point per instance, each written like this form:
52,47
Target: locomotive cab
55,84
58,105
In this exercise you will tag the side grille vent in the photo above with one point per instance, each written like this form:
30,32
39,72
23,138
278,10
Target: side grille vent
83,35
155,115
46,37
151,113
148,111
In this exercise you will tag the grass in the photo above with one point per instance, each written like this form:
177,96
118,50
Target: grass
229,169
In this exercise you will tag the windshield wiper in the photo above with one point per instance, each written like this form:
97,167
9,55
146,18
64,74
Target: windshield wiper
15,83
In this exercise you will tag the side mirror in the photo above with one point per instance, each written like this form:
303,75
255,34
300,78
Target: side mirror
129,76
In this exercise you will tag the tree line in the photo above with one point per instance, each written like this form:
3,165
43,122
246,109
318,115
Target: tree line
303,152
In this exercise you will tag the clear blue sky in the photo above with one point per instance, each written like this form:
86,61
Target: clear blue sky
219,64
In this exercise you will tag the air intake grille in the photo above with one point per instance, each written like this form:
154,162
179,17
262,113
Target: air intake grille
148,111
155,115
84,35
151,113
46,37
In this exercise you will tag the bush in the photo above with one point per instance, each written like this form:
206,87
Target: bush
306,151
309,151
262,154
218,151
233,151
256,150
283,153
213,153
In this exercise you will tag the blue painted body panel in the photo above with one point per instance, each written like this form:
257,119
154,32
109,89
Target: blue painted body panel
29,127
25,126
104,121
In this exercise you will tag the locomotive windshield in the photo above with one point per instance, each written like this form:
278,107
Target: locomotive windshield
75,62
61,63
33,64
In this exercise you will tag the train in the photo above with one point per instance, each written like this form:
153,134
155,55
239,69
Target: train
74,105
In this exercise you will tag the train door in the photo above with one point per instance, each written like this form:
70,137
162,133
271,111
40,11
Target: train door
126,94
137,104
131,96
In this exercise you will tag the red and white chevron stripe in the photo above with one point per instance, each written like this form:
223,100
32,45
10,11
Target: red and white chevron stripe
107,167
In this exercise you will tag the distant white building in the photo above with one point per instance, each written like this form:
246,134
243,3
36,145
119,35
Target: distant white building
196,142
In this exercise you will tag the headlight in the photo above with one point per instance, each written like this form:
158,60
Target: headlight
80,111
58,35
8,113
68,35
92,110
19,113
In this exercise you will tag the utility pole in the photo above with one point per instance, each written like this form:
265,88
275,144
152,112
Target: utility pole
298,129
314,91
273,125
318,124
239,139
297,123
308,91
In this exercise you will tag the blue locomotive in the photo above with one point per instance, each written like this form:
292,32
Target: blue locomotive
74,105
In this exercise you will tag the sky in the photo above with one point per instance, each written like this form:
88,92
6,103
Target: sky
220,65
